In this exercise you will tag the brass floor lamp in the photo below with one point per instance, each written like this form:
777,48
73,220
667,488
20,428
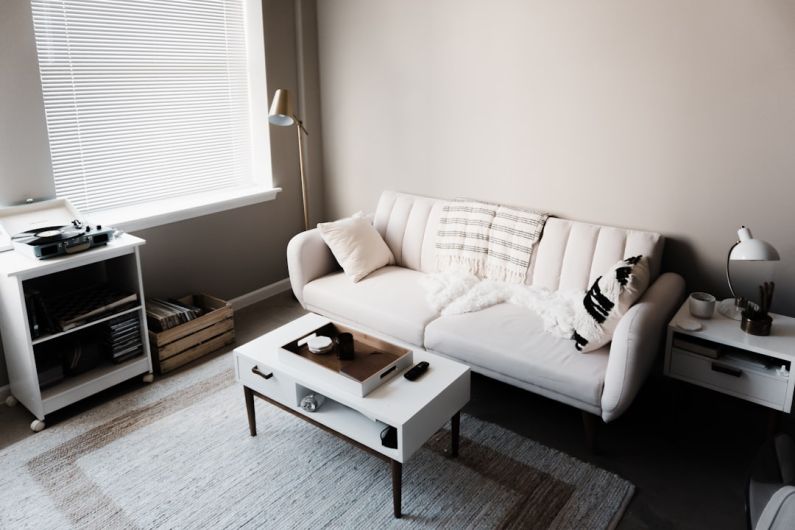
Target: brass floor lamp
282,115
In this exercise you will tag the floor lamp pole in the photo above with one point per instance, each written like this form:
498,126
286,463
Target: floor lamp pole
281,114
299,128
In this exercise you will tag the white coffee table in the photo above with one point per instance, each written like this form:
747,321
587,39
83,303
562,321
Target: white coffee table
417,409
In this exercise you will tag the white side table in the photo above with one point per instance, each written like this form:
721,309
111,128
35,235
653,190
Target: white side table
756,369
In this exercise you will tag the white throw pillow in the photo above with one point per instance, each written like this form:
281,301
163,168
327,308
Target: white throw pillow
611,295
357,246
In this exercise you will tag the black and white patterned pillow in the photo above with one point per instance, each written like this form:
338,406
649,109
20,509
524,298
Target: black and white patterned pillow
610,296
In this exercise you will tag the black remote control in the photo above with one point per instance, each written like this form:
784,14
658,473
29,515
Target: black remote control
416,371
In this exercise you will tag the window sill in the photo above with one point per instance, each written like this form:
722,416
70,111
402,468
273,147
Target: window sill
142,216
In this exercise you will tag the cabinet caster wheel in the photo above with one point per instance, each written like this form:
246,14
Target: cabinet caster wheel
11,401
148,378
37,426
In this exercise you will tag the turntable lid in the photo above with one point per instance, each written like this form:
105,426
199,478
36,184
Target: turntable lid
55,212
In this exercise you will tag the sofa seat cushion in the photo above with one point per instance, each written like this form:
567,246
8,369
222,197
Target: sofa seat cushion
511,340
389,300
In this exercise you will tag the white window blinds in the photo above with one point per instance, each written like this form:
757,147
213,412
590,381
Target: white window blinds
144,99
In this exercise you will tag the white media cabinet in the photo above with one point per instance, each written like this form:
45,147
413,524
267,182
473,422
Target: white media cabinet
117,263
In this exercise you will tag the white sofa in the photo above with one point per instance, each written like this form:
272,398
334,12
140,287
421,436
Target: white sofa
505,342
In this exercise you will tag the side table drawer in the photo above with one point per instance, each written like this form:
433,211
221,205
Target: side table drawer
730,378
265,380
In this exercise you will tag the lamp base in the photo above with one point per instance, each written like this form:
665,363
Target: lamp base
729,308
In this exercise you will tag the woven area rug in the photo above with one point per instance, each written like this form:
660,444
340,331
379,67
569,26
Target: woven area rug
177,454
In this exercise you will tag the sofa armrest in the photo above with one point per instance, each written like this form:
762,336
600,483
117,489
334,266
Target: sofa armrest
779,513
636,343
308,258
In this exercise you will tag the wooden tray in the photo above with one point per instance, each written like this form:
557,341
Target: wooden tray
375,360
189,341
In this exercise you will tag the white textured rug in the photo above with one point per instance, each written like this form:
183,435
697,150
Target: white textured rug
177,454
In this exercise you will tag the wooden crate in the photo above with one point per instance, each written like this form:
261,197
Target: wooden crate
189,341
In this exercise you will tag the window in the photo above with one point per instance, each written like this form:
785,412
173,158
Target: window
155,99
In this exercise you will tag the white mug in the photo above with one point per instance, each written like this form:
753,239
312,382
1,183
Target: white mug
702,305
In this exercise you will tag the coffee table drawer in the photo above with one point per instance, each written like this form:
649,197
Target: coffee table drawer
730,377
263,379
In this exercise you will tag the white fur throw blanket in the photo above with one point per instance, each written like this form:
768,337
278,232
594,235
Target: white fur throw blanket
457,292
491,241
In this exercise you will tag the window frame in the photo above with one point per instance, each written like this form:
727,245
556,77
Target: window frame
260,189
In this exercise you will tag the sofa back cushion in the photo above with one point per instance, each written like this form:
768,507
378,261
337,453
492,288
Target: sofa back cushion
570,255
408,224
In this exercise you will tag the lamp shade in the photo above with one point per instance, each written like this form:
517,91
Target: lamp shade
281,112
751,249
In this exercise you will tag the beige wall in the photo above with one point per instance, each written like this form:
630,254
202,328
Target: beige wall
674,116
226,254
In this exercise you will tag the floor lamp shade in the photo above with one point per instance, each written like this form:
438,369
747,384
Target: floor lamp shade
281,112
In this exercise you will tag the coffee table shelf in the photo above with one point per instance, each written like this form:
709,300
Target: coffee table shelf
354,424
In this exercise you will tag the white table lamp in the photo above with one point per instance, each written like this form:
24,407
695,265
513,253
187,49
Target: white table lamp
747,248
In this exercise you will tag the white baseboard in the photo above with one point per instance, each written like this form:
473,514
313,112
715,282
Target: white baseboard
260,294
5,391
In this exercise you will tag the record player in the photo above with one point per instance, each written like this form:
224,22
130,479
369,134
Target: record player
51,228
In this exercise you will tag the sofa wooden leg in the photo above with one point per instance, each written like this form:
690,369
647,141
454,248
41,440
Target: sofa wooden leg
590,423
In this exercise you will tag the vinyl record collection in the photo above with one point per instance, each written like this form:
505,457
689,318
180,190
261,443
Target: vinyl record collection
53,313
50,369
122,337
165,314
76,308
78,353
81,355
